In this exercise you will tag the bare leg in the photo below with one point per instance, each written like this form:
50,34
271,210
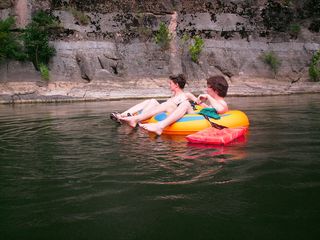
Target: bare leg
174,116
132,121
153,103
143,106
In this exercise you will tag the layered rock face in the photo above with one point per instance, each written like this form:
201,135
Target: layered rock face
111,43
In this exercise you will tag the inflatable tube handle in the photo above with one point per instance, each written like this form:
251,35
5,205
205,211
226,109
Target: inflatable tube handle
215,125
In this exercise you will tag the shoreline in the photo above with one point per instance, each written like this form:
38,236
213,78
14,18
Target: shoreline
31,92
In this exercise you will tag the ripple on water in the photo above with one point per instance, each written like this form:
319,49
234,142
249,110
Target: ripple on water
90,150
65,166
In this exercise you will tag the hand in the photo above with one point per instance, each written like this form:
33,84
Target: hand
203,97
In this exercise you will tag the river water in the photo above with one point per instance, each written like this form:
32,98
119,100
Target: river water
69,172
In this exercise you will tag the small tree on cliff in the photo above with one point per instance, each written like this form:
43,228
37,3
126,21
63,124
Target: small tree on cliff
163,36
36,39
10,44
271,59
314,68
196,48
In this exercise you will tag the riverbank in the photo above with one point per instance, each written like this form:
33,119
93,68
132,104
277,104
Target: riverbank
114,55
41,92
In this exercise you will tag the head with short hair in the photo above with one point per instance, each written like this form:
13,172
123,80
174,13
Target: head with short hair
179,79
218,84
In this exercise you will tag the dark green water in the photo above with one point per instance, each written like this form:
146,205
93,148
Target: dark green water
68,172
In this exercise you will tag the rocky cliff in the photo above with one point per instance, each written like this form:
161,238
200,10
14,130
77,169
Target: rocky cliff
106,49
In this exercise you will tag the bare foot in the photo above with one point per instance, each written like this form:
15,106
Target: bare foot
152,127
118,115
124,115
131,121
115,117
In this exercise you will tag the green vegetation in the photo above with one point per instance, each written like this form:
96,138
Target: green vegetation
277,16
36,39
35,45
44,70
163,37
311,9
11,46
314,68
185,38
196,48
271,59
294,30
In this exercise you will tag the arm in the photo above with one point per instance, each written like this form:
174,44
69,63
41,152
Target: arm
192,97
220,105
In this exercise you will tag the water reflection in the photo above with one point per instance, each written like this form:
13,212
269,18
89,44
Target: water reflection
174,159
233,151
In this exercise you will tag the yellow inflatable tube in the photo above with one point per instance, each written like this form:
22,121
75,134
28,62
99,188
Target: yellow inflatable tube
191,123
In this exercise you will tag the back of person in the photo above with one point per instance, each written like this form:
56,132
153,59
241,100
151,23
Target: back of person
217,88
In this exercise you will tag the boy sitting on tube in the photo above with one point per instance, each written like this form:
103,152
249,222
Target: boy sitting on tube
149,108
217,88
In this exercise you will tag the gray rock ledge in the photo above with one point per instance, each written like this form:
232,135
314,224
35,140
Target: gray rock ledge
32,92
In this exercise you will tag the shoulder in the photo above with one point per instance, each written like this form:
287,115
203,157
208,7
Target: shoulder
223,102
189,94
